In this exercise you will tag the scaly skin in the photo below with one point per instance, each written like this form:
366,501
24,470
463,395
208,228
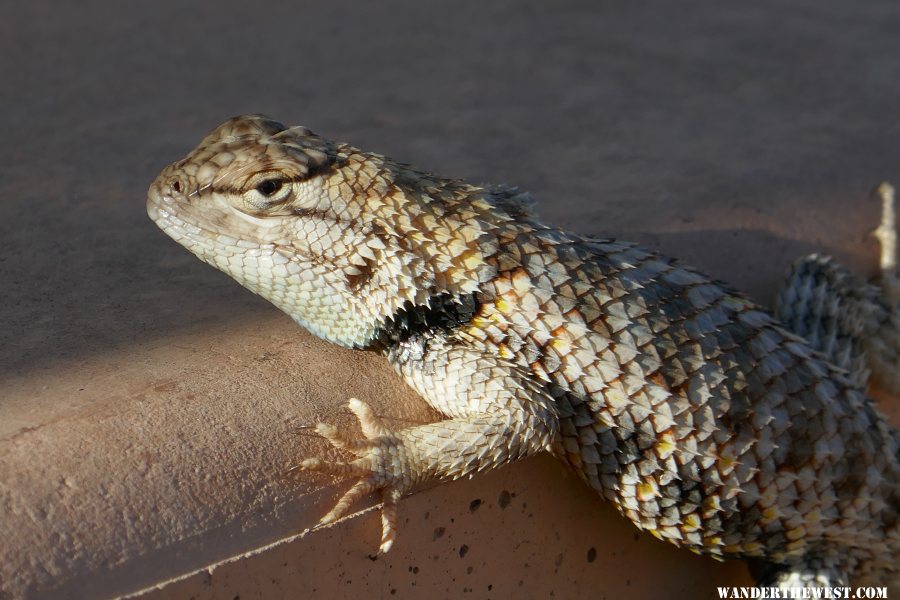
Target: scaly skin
694,411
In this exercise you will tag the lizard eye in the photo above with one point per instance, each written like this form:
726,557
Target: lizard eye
266,190
269,187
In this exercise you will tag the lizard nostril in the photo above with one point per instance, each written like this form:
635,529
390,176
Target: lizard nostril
178,185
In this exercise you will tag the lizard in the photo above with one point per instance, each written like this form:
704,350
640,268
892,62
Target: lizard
703,418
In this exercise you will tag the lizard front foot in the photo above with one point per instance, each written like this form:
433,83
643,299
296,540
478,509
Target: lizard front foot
381,465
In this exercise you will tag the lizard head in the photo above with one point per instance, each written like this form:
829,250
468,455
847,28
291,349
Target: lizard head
337,238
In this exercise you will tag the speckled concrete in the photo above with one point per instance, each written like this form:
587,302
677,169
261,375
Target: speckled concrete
149,407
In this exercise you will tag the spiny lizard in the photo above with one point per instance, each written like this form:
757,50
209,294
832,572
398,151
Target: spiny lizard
703,418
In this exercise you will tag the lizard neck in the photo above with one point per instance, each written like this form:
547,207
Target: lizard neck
412,325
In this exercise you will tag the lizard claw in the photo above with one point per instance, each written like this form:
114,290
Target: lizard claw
379,460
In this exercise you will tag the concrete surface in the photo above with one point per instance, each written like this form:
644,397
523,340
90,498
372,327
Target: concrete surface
149,406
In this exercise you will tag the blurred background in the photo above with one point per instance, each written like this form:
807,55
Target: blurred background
734,135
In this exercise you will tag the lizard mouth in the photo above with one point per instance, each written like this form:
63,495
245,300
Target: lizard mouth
161,208
214,228
154,200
